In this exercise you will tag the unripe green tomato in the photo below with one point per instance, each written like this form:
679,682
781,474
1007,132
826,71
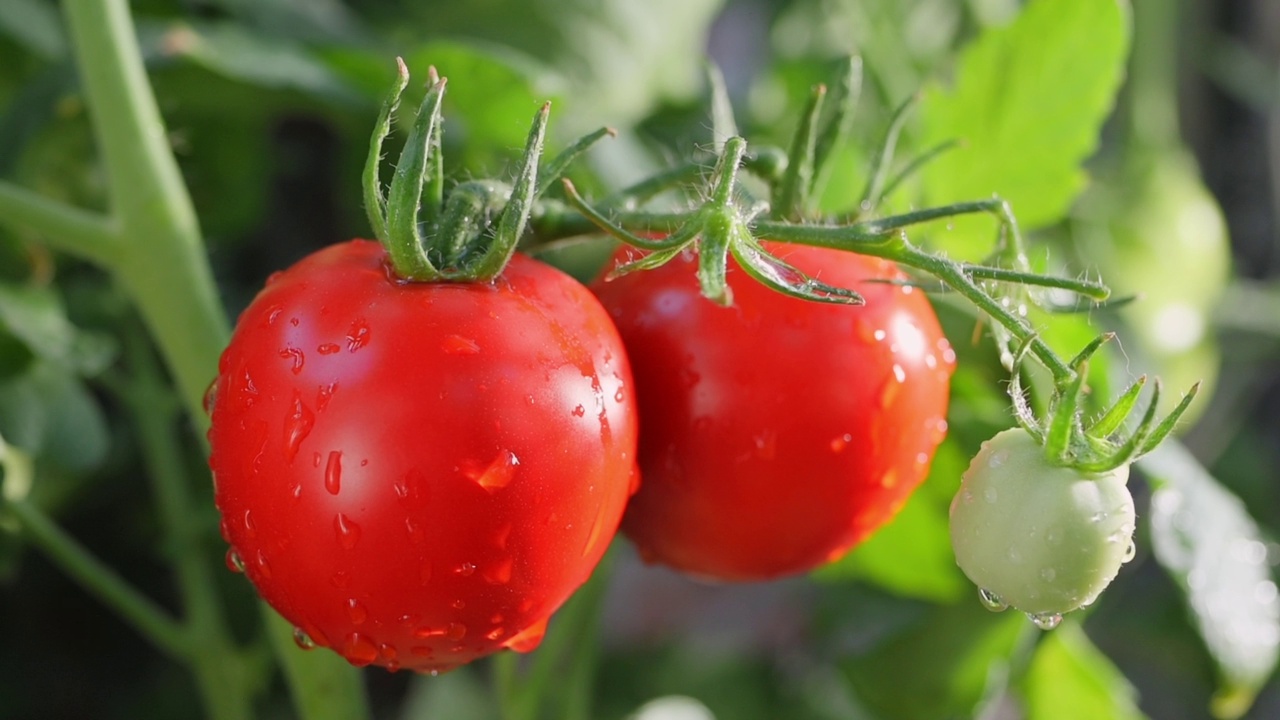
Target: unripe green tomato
1037,537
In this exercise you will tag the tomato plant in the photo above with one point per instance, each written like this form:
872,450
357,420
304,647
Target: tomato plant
777,432
419,474
1042,538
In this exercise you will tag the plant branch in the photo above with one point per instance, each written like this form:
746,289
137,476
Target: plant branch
77,232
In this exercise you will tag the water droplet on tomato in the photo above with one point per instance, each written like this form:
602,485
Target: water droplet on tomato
1130,551
302,639
250,527
273,277
359,650
347,531
990,495
839,444
294,321
459,345
617,396
494,476
496,633
459,604
1045,621
455,631
295,357
1053,536
272,313
465,569
356,612
498,572
426,631
579,411
328,348
264,568
1014,554
210,397
323,395
235,563
879,335
297,426
528,639
357,336
997,458
248,390
991,601
333,472
922,458
389,656
1048,574
416,534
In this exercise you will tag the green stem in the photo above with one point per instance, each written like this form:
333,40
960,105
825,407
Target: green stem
217,665
152,621
322,684
72,230
161,256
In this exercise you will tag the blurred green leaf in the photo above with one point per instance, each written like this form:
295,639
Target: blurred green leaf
944,666
1204,536
35,25
1028,102
34,317
238,53
1070,679
911,556
48,412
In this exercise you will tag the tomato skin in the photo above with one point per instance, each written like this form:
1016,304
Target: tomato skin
418,474
1043,539
776,433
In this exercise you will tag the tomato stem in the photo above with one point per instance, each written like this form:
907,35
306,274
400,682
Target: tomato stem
791,196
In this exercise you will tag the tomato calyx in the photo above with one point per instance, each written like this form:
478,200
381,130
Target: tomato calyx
470,233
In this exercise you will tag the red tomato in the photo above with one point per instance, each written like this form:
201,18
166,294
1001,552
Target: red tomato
776,433
417,475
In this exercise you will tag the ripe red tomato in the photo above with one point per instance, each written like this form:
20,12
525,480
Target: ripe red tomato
415,474
776,433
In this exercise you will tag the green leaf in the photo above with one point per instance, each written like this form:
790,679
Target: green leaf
237,53
48,412
1069,679
34,317
911,556
1204,537
1027,103
944,666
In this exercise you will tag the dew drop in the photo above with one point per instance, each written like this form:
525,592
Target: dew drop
235,563
991,601
297,426
356,612
296,358
617,397
899,374
1045,621
357,336
998,458
302,639
879,335
359,650
1048,574
990,495
465,569
455,631
416,533
498,572
263,566
579,411
529,639
250,527
496,475
459,604
496,633
340,579
347,531
1014,555
328,348
459,345
333,472
1053,536
839,444
210,397
1130,551
323,395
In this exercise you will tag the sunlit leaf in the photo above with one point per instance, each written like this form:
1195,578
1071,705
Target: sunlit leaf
1204,536
1070,679
1027,102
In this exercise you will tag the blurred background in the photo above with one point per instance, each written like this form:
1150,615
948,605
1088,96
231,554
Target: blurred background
269,104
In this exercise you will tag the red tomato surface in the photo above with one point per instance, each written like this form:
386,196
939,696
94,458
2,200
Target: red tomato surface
776,433
416,474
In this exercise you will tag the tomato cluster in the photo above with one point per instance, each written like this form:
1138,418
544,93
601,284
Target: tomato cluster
419,474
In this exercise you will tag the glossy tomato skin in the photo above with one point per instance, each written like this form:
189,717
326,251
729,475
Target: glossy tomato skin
416,474
776,433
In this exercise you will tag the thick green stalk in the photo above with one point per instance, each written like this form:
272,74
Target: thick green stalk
161,259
